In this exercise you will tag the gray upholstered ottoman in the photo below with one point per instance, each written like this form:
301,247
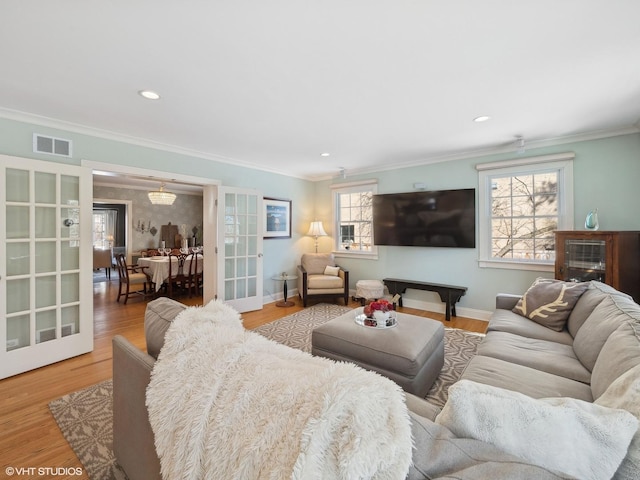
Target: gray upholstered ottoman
411,353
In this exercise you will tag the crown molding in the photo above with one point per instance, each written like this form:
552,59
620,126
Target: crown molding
118,137
43,121
550,142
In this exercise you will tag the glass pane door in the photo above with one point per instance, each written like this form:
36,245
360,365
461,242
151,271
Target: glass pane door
240,238
585,260
46,312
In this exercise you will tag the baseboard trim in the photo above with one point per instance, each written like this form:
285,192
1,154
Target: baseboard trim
277,296
439,307
407,302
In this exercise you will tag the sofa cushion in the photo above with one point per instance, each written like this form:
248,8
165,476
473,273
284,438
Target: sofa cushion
321,282
421,407
589,441
157,319
507,321
620,353
549,302
612,312
531,382
507,301
589,300
542,355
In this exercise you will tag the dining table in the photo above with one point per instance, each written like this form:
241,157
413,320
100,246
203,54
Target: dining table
158,267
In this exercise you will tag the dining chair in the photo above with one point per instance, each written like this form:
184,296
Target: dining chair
194,281
130,276
177,276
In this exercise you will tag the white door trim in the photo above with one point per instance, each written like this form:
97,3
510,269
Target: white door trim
209,212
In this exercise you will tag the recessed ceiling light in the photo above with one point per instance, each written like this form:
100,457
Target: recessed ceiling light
325,154
481,118
149,94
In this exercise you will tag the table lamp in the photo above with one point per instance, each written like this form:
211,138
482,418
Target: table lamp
316,230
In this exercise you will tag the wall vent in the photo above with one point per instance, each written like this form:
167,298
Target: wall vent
47,334
51,145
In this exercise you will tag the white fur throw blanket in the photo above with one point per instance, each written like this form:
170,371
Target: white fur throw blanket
624,393
567,435
226,403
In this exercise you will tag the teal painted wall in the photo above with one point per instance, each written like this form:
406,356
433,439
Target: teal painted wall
606,176
16,139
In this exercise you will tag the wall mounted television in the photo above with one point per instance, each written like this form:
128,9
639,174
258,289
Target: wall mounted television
443,218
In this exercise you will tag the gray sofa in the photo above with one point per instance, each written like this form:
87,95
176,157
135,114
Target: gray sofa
598,344
133,441
516,354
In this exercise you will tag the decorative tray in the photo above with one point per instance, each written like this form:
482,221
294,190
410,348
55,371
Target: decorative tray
365,321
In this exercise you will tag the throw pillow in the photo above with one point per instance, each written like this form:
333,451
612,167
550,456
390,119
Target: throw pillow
329,270
549,302
567,435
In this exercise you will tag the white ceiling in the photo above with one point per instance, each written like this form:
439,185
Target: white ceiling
274,84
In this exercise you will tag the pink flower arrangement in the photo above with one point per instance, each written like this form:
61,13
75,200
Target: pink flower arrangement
379,306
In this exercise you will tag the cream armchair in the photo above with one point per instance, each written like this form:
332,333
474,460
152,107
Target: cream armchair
315,280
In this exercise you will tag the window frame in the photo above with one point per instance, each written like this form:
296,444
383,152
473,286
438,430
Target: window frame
561,163
336,191
104,229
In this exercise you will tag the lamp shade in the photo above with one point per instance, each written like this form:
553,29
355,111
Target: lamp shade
316,230
162,197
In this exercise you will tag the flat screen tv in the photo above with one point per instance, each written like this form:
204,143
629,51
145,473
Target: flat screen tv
444,218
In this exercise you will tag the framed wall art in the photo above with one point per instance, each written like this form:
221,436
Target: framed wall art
277,218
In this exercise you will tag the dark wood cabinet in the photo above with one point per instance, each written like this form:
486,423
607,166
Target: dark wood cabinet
607,256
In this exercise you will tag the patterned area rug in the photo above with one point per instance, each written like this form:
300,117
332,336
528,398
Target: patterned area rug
459,347
85,417
295,330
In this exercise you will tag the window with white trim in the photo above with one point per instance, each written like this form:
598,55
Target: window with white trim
521,204
353,217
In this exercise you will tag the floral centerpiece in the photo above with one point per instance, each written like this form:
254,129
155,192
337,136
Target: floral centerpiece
379,313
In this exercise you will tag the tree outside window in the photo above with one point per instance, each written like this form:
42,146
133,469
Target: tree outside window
524,215
522,202
353,211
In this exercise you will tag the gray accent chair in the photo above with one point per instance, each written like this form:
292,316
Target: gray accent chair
315,283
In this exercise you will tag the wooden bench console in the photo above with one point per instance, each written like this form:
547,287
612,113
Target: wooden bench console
449,294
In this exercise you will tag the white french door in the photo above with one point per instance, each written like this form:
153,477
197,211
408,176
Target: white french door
46,309
240,245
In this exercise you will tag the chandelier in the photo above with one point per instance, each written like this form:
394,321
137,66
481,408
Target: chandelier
161,197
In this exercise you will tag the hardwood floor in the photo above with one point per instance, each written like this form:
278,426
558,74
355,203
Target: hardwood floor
29,436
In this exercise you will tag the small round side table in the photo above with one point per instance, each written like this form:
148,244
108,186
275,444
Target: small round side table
283,278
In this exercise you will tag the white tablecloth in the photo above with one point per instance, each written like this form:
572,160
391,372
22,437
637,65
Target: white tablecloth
158,268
